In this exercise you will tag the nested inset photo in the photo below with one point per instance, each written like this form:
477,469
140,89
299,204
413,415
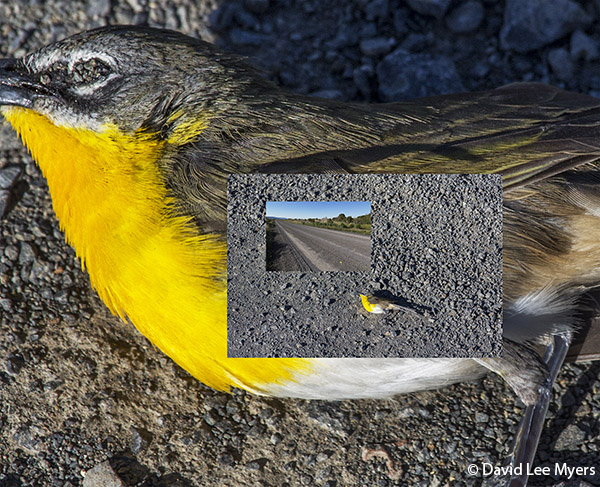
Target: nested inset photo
318,236
364,265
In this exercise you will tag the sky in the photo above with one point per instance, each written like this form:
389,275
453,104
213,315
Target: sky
317,209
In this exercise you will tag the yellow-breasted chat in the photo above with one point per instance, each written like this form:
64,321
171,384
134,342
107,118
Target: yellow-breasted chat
136,130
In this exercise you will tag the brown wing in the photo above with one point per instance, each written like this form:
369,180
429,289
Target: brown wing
524,131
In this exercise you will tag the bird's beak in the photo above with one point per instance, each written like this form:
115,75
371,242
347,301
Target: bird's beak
16,88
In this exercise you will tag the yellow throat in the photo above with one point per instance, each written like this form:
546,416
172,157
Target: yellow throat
365,302
146,264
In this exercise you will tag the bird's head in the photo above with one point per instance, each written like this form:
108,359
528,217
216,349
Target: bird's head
134,78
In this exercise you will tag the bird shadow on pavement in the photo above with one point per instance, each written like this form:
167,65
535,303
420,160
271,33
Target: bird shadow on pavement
405,304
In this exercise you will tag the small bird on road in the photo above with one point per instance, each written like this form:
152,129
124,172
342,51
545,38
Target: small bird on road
379,305
136,130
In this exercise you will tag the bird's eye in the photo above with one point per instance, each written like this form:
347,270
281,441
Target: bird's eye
90,71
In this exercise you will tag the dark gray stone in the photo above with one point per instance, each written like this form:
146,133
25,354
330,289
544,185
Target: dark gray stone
26,253
140,439
561,63
14,364
4,199
377,9
368,30
6,304
466,17
362,81
223,17
399,22
245,38
403,76
416,42
435,8
256,6
8,176
583,46
99,8
344,38
536,23
246,19
376,46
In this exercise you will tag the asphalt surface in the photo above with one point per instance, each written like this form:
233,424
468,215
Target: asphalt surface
79,388
323,249
436,248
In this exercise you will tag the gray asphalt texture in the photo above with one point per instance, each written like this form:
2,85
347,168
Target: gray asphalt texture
79,388
322,249
436,246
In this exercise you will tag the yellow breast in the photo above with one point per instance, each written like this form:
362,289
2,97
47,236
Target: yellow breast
146,264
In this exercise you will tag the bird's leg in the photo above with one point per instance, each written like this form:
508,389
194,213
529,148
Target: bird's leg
530,429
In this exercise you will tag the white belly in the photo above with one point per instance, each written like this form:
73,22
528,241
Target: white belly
350,378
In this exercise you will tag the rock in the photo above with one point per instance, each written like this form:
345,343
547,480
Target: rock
361,77
102,475
368,30
377,9
416,42
344,38
570,437
376,46
26,253
140,439
480,70
561,64
256,6
99,8
6,304
466,17
402,76
8,176
435,8
536,23
245,38
14,364
246,19
4,199
222,18
399,22
583,46
8,138
481,417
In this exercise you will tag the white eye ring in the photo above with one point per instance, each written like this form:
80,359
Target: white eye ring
89,88
84,88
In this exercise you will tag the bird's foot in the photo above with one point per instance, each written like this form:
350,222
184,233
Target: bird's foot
531,426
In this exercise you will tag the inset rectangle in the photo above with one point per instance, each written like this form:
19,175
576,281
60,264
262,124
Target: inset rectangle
433,287
318,236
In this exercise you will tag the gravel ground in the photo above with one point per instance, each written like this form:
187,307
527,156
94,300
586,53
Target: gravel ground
81,394
436,246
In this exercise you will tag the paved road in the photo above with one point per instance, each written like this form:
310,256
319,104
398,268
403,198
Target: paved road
328,250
